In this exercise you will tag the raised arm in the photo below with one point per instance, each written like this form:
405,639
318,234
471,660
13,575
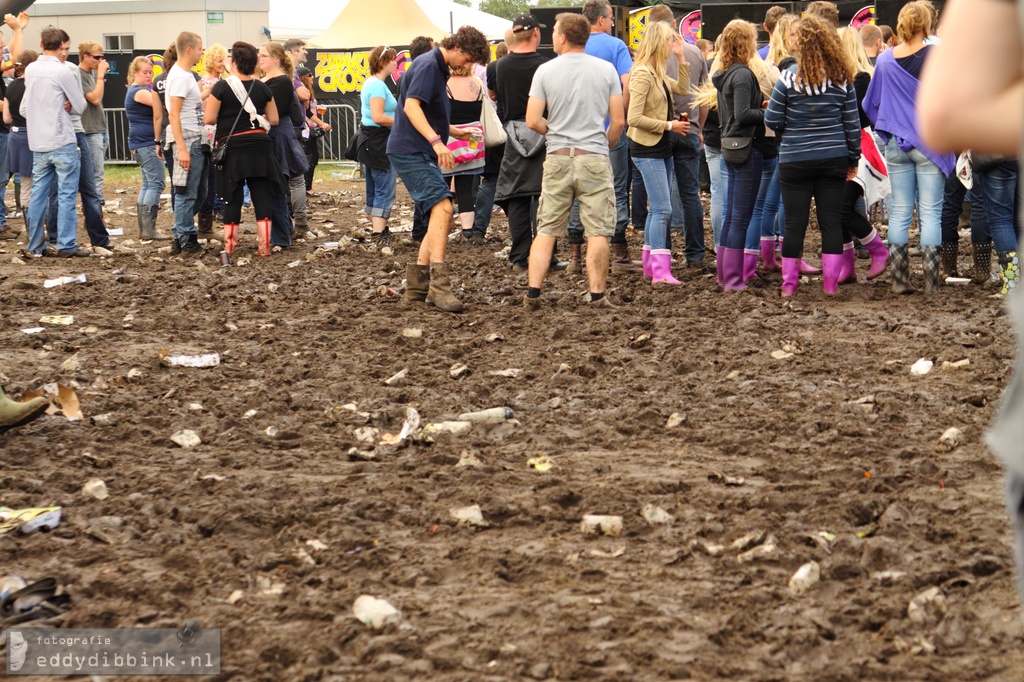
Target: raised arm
972,88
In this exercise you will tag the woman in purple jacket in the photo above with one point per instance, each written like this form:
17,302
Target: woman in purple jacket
917,173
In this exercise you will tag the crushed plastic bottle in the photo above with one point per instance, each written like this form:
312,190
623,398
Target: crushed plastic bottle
494,415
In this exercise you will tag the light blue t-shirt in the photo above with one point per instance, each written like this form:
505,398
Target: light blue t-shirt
610,49
375,87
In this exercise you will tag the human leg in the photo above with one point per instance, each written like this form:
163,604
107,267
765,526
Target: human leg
67,161
829,183
744,182
686,155
44,176
752,245
92,205
484,204
98,143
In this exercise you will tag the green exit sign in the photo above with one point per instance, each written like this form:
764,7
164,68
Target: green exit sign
215,17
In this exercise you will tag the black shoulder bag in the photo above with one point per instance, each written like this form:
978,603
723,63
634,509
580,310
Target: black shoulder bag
220,151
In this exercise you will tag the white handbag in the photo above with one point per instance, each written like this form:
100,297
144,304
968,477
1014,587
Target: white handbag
494,133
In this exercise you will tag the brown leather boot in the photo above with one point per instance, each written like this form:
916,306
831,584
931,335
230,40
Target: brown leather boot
417,282
575,260
205,227
440,291
621,261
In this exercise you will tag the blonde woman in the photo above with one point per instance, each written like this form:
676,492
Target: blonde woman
917,173
872,181
214,70
138,106
651,118
782,46
741,112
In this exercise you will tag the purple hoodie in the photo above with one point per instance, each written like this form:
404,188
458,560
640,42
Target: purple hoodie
891,103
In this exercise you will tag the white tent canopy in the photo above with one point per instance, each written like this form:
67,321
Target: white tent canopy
307,18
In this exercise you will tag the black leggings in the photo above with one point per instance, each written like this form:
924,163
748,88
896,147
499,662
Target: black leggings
465,192
854,224
824,180
259,191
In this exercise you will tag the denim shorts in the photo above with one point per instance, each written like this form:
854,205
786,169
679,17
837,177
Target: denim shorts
422,178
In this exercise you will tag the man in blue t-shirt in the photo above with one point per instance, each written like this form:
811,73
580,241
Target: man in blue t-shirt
415,148
771,20
603,45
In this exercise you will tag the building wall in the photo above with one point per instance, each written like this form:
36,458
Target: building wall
151,22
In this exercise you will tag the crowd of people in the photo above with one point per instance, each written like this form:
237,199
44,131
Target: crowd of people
820,115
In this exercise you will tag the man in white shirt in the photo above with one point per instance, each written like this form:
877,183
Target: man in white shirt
185,114
51,92
578,91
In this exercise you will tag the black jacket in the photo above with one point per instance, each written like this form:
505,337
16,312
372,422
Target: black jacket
739,103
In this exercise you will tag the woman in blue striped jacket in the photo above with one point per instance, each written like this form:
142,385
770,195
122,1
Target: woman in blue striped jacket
814,107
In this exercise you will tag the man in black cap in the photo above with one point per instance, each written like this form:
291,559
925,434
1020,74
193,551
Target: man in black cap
519,181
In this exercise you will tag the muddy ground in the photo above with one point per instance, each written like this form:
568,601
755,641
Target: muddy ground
273,537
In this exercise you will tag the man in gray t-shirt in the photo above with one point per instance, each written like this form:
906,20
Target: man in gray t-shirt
579,92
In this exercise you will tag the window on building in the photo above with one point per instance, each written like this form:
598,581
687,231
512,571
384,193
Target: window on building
118,42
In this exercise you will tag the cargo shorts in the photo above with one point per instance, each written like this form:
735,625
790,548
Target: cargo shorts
588,178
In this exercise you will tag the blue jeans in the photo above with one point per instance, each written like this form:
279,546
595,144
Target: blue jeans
281,224
92,208
422,179
773,217
60,167
3,178
754,234
153,179
638,208
719,190
98,143
914,179
998,190
484,204
686,155
380,191
741,195
656,174
187,203
618,156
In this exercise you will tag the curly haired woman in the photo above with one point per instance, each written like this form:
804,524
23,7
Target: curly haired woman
814,108
740,110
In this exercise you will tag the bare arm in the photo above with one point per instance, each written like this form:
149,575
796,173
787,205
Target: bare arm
145,97
270,113
8,119
972,87
211,110
174,116
617,119
377,113
17,43
535,115
158,122
413,109
95,96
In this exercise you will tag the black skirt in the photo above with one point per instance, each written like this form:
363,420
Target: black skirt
249,155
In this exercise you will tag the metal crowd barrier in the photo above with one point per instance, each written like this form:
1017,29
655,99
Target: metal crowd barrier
344,121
